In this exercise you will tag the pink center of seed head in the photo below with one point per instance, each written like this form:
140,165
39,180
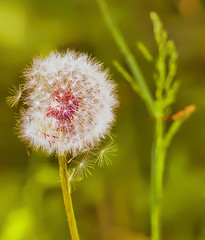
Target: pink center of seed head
65,105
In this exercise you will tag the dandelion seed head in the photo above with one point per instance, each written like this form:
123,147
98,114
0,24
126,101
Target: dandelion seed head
69,103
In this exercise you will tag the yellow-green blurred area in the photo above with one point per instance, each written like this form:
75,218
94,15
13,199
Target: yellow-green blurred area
114,203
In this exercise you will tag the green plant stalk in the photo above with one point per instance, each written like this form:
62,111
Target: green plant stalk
131,61
157,170
161,142
65,185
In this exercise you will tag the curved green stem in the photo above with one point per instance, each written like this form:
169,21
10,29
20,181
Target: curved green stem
65,184
158,158
130,59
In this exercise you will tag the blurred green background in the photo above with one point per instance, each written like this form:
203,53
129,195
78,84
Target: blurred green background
114,203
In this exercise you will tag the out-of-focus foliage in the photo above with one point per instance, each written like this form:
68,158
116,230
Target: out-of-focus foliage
114,202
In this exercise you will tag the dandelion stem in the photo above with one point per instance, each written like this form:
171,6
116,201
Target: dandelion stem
158,158
65,184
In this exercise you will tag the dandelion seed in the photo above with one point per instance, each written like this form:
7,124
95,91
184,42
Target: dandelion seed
83,169
16,93
69,104
70,174
104,155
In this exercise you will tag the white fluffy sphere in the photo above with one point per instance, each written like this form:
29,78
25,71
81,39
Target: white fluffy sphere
69,103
